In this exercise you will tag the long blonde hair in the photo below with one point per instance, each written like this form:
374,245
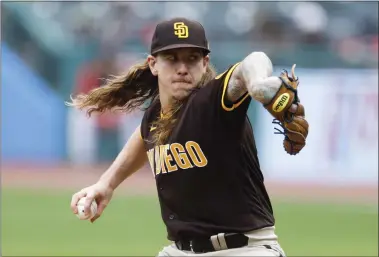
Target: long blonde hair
132,90
124,92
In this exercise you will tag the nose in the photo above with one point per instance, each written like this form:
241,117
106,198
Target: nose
182,69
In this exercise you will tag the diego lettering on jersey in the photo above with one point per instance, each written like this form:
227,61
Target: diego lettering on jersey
172,157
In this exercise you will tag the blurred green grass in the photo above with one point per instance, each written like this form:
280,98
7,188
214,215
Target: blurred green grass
40,223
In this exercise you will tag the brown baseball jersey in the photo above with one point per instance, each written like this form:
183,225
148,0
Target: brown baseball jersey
207,173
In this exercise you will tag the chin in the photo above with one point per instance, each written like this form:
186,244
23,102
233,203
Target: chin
184,94
181,97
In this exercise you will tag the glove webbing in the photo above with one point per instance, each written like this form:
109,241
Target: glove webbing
278,131
296,99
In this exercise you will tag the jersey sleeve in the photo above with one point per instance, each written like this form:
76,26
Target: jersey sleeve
213,95
227,117
147,119
143,127
222,82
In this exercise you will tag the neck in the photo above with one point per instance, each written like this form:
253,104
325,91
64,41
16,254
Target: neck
166,102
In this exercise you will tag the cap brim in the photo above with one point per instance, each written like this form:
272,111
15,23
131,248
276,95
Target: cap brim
176,46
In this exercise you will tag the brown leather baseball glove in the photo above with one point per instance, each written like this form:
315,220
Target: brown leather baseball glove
295,127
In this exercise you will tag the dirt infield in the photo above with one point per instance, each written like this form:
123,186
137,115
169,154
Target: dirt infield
142,183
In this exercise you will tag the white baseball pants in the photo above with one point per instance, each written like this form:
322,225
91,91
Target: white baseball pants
262,242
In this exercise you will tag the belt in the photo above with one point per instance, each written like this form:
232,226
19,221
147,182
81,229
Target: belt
215,243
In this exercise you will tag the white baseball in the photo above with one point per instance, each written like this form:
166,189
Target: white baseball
80,206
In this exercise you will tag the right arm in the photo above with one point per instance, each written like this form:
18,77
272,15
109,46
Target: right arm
131,158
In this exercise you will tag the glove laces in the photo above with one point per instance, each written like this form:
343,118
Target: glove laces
278,131
284,132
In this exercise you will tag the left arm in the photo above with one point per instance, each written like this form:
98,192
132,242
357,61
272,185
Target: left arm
253,75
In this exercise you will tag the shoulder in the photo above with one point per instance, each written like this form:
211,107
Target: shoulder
215,90
225,76
220,81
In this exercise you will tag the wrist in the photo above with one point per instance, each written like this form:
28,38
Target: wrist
265,89
108,182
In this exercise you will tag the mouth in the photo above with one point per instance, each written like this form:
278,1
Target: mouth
182,81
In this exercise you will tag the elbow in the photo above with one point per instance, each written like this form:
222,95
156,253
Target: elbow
257,65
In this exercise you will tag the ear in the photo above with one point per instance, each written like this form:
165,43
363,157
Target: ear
152,63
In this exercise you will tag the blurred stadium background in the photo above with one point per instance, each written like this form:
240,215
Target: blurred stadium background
325,198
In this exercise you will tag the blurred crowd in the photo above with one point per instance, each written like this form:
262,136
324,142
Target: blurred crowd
348,29
52,35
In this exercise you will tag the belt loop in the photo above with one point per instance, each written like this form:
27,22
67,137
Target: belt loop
215,243
222,241
191,246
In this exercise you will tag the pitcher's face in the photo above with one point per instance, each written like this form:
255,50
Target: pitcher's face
179,71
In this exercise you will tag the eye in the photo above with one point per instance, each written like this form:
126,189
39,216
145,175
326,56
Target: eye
194,57
170,57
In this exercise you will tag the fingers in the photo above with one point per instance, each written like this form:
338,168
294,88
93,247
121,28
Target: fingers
293,72
96,193
100,209
94,218
293,108
297,109
300,110
75,199
88,201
